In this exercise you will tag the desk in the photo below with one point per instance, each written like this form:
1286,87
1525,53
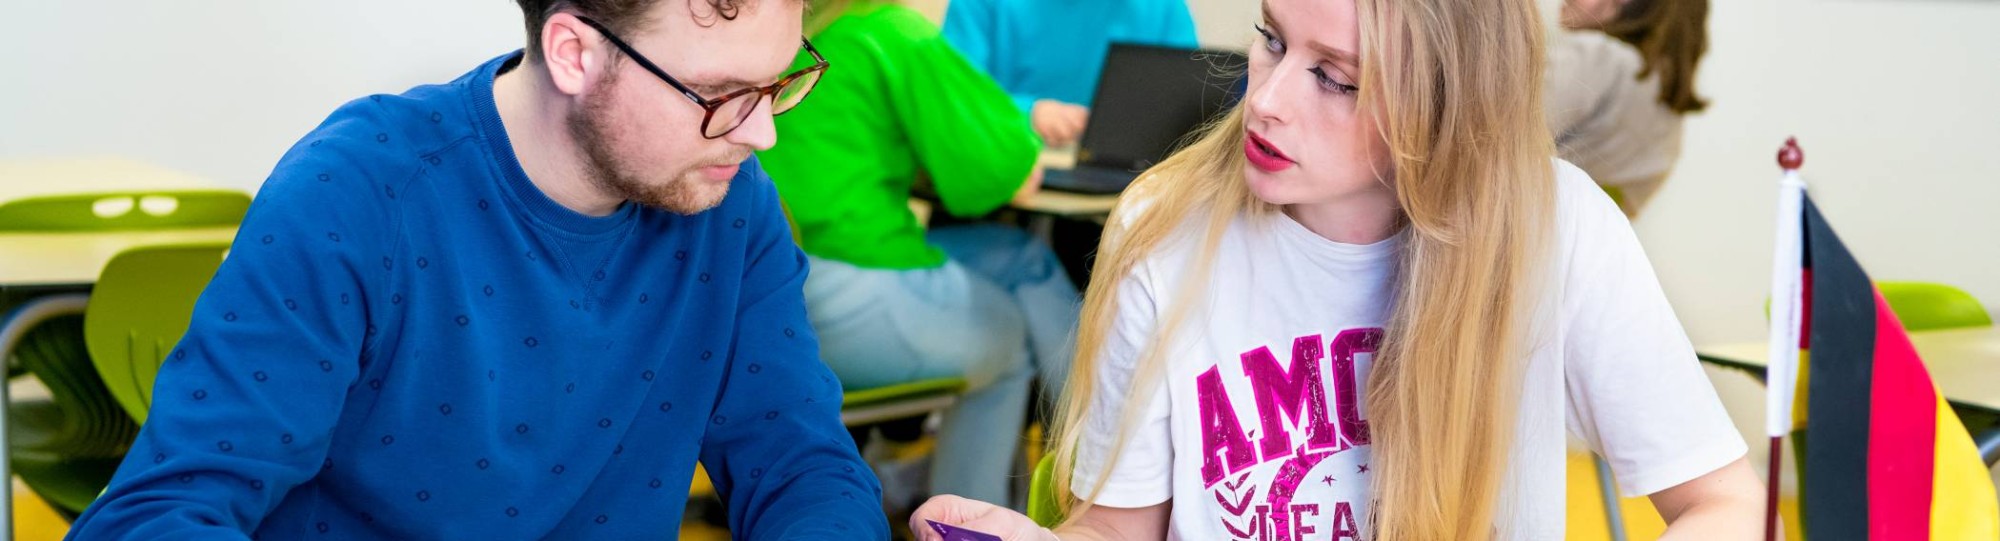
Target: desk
1964,363
73,259
1046,205
1068,205
22,179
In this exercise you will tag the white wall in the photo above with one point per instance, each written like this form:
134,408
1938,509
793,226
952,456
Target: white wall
221,88
1225,24
1897,104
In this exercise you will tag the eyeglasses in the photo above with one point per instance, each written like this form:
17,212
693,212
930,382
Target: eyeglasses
728,112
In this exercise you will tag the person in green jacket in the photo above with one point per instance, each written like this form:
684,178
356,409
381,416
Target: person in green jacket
891,301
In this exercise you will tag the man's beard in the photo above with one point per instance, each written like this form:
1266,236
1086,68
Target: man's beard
589,129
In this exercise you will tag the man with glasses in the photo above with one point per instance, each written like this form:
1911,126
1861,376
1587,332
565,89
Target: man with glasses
518,305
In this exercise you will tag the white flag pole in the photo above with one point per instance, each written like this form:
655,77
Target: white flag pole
1782,371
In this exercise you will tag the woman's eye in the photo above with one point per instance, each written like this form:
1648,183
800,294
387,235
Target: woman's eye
1328,83
1271,42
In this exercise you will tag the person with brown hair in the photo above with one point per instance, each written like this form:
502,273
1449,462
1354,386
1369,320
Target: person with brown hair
895,300
521,304
1369,303
1621,79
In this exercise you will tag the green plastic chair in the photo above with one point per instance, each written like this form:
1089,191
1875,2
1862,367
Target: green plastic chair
1925,306
66,446
870,406
139,310
99,369
124,211
1617,194
1042,494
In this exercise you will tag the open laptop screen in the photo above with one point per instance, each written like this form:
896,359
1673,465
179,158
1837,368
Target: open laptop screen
1149,98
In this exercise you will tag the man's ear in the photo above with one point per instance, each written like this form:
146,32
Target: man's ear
574,53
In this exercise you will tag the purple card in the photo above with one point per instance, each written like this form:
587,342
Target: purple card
954,533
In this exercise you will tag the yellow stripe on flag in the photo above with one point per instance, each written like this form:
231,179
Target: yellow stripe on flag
1963,505
1799,397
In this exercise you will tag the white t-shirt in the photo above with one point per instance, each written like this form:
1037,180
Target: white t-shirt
1260,430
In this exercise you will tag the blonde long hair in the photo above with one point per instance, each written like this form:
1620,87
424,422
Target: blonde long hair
1457,86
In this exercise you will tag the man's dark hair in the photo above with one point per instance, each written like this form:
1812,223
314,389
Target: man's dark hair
624,17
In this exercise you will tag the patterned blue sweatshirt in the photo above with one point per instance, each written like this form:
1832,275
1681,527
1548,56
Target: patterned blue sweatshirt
408,340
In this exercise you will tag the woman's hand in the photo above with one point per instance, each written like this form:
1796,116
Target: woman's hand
975,515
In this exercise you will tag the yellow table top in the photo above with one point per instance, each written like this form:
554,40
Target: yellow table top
50,259
21,179
1965,363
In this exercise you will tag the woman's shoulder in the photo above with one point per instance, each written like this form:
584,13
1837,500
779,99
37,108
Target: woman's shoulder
1179,247
1592,58
1586,220
1579,197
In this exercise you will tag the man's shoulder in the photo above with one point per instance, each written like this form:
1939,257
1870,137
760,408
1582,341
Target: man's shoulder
358,159
364,148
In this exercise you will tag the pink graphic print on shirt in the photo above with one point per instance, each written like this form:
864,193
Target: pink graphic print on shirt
1307,429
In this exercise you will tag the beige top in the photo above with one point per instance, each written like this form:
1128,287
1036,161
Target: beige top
1606,119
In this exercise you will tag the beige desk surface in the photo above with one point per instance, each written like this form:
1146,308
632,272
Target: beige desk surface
20,179
45,259
1066,203
1965,363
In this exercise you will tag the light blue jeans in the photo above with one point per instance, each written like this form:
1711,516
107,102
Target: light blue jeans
999,312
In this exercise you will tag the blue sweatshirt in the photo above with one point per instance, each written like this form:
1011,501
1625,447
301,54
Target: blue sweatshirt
1054,49
408,340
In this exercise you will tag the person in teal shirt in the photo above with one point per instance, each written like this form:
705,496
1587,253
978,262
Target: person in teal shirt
1047,53
892,302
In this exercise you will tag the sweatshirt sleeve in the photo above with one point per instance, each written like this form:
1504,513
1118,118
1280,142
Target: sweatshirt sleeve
775,448
245,405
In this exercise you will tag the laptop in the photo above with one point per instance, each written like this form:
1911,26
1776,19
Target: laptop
1148,99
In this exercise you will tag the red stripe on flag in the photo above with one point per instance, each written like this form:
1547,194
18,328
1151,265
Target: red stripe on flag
1805,308
1902,434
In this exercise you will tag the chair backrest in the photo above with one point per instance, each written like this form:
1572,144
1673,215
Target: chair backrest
139,310
1617,194
1042,494
124,211
1924,306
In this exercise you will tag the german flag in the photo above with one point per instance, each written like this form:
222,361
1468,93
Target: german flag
1887,458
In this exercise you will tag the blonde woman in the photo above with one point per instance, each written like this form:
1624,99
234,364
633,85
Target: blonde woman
1367,304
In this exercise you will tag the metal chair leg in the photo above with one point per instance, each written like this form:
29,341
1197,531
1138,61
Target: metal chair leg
1989,446
1614,516
18,322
